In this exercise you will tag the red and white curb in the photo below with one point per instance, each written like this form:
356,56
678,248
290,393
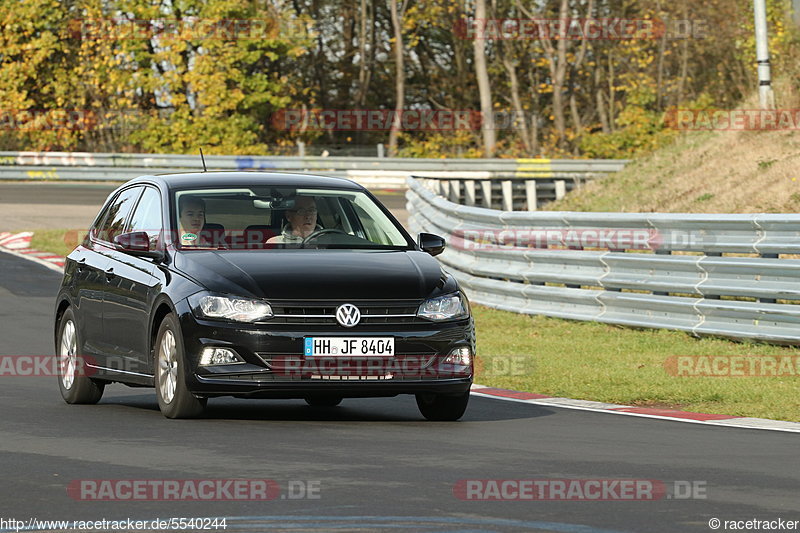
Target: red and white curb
19,244
629,410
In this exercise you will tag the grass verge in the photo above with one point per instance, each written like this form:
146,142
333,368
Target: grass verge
593,361
56,241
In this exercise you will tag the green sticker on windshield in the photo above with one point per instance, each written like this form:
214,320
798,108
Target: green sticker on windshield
190,236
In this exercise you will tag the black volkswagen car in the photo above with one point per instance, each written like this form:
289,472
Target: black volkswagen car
260,285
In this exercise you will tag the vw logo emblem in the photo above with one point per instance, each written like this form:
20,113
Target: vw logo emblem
348,315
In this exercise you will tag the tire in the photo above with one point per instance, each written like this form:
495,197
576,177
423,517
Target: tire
442,407
174,398
76,387
324,401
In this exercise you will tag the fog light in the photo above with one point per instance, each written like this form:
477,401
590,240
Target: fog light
460,356
219,356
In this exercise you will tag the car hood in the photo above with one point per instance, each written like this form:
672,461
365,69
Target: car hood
315,275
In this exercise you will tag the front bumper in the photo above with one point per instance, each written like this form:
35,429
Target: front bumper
275,367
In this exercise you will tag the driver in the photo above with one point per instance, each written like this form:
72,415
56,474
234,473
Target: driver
301,222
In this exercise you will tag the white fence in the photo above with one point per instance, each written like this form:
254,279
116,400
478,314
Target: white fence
508,178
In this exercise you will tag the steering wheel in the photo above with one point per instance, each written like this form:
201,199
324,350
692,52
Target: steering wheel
319,232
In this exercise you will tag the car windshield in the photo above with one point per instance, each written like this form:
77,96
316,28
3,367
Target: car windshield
273,217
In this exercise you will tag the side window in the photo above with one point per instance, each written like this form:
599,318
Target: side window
94,230
147,216
114,222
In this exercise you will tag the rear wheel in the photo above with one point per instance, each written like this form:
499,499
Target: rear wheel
75,385
174,398
442,407
324,401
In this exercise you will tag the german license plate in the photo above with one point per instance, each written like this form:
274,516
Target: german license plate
349,346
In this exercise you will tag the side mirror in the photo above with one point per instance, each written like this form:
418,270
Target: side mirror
137,243
433,244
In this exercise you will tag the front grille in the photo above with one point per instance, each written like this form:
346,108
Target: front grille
293,367
324,377
267,357
323,312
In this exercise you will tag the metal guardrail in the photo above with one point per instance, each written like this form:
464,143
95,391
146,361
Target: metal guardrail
725,275
552,177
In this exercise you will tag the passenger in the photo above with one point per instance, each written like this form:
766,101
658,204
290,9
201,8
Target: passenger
191,218
301,222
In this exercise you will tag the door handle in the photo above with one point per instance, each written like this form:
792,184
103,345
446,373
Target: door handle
110,274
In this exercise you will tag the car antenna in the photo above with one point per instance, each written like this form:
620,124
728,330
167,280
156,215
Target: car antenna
203,159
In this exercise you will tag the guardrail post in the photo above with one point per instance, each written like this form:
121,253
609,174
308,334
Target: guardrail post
660,251
486,189
769,300
469,192
301,149
381,152
508,195
561,189
712,296
455,191
530,194
444,188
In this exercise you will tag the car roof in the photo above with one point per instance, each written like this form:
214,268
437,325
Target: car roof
217,178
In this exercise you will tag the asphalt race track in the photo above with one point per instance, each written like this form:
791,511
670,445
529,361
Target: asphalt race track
376,463
373,464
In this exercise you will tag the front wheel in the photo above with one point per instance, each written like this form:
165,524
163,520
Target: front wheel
75,385
442,407
174,398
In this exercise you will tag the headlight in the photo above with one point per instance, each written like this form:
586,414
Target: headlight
229,307
448,307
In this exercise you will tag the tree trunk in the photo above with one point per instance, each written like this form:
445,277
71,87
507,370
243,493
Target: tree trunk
521,119
400,76
611,94
576,119
601,101
684,61
662,43
485,91
557,60
366,18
